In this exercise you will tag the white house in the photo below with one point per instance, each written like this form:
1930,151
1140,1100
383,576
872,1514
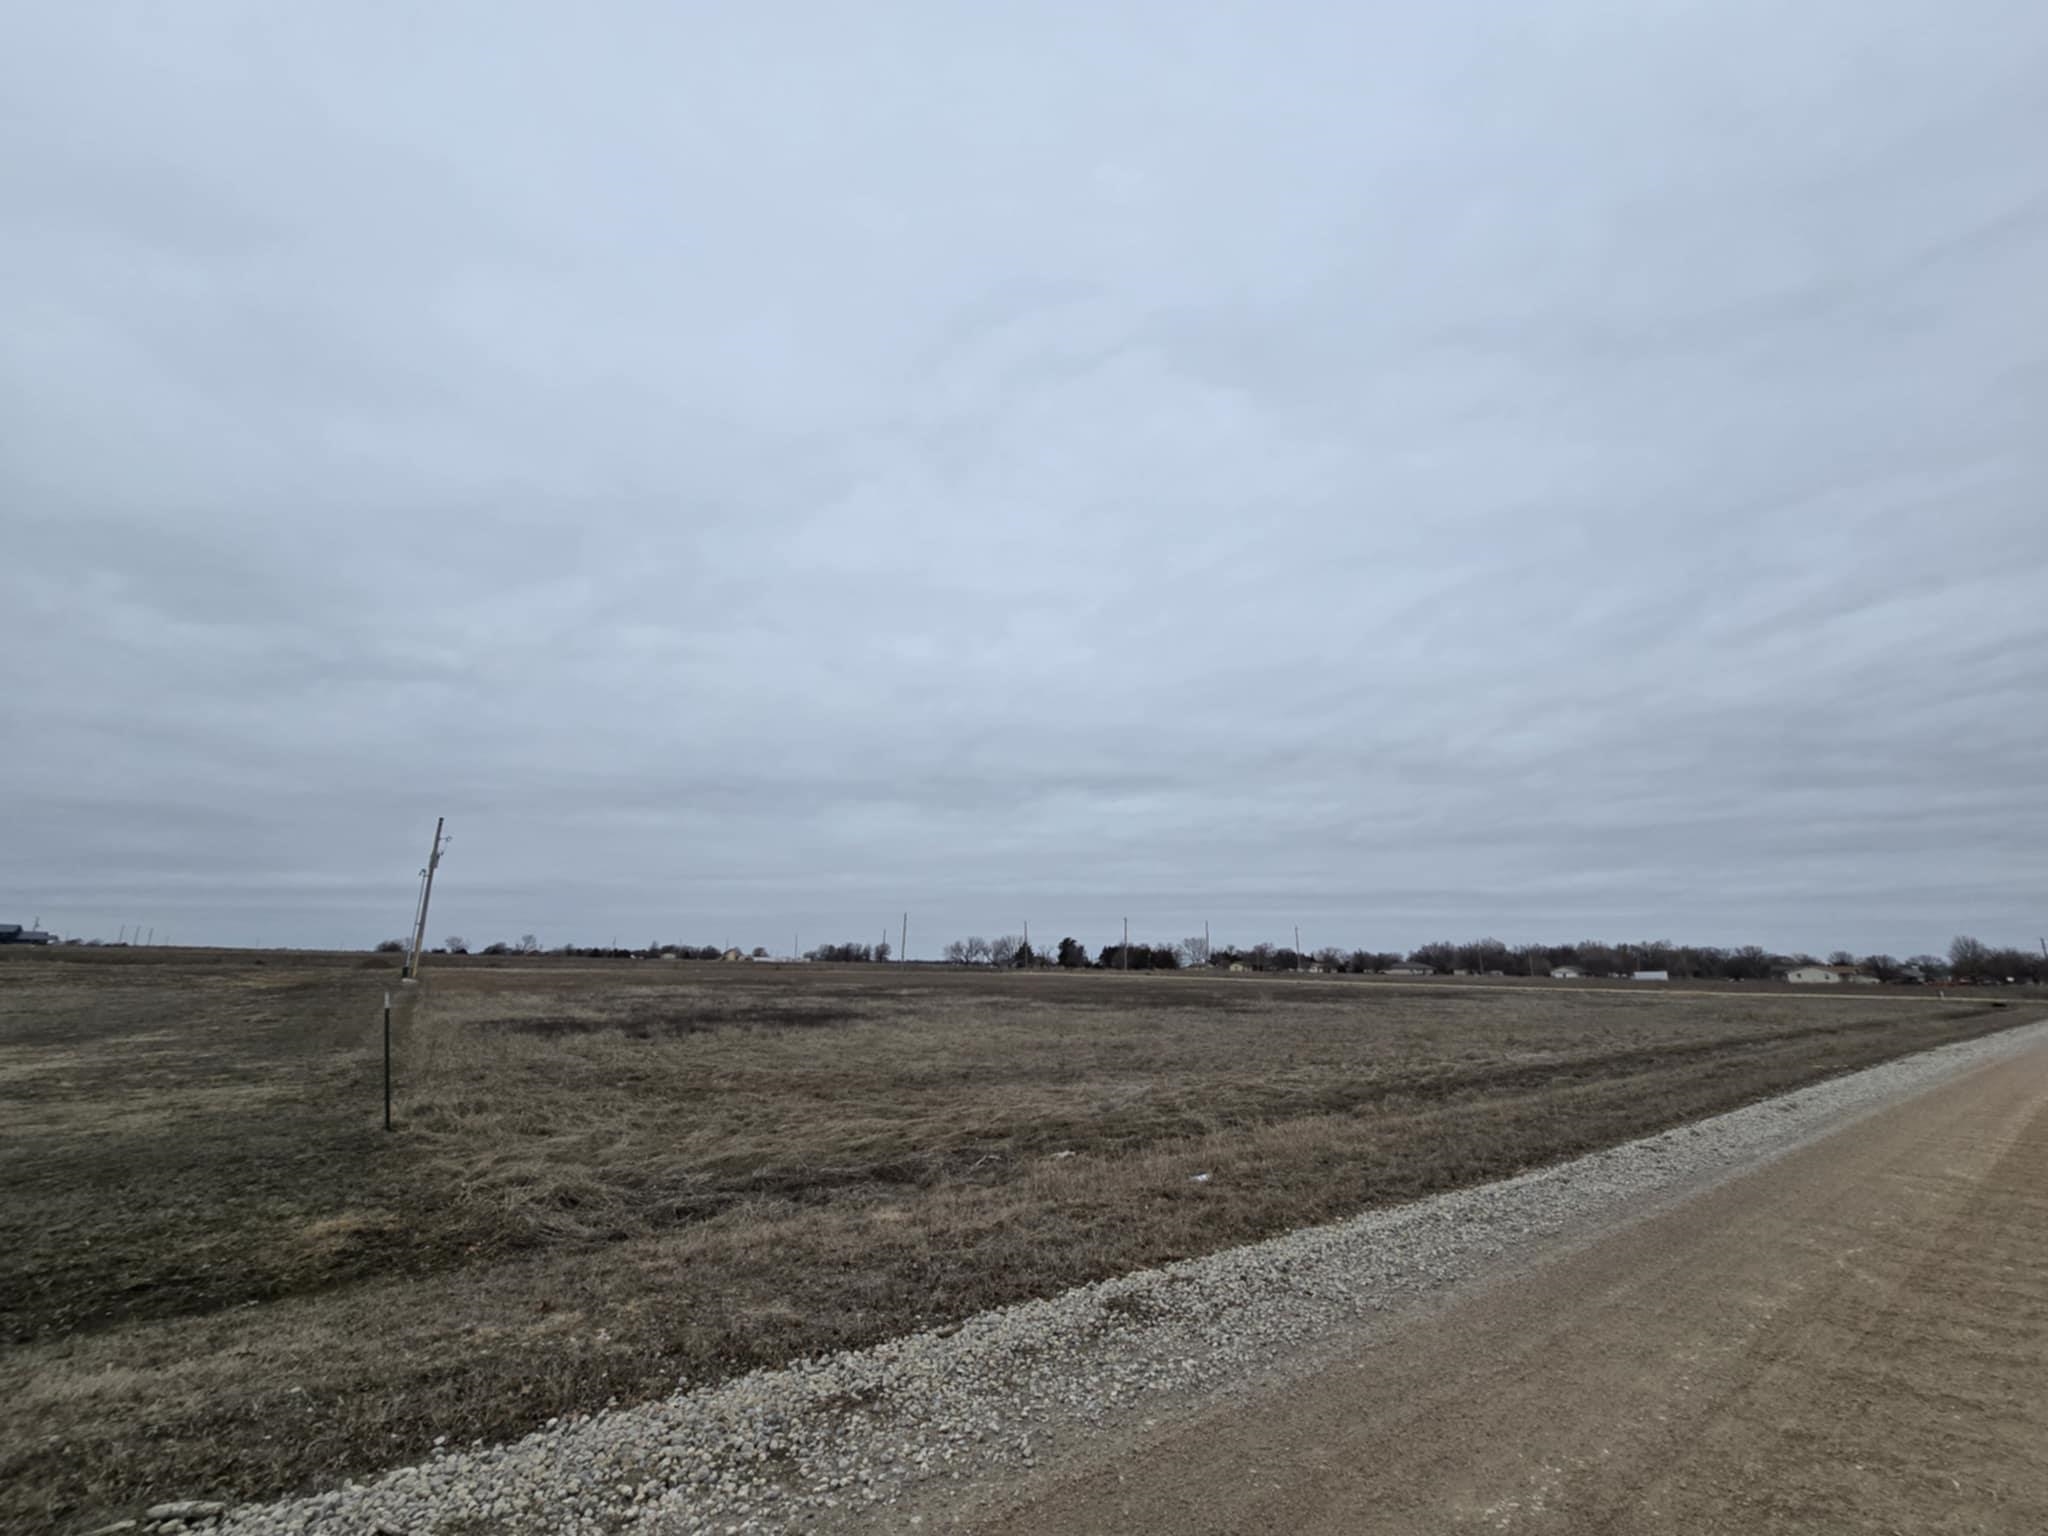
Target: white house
1566,973
1653,976
1410,968
1823,975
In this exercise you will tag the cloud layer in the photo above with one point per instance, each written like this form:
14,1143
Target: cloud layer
1404,474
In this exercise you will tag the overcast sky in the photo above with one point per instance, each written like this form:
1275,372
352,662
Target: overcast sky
1408,470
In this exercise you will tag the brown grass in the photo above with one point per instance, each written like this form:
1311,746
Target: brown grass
219,1277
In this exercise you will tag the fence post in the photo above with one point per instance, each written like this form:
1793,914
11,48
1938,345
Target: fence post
387,1061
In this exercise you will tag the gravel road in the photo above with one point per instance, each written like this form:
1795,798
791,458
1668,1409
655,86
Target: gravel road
951,1425
1850,1338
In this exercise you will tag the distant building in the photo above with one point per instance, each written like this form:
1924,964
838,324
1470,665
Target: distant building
14,933
1410,968
1652,976
734,954
1567,973
1829,976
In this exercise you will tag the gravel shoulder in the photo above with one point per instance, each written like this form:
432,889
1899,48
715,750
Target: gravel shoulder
939,1427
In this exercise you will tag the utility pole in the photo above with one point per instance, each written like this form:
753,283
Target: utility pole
1125,957
903,951
419,897
419,933
123,939
150,942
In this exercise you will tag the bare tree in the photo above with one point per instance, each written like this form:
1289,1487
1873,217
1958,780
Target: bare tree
455,945
1195,951
1003,952
1969,959
979,950
956,952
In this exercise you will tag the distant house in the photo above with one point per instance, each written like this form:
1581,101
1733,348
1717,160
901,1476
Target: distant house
1410,968
1652,976
1828,975
1238,967
14,933
734,954
1567,973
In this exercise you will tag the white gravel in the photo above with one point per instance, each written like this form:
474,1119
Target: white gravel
839,1441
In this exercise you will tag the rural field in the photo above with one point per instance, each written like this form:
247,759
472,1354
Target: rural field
220,1277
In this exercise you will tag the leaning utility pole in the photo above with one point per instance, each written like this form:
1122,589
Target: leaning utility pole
903,947
418,895
419,932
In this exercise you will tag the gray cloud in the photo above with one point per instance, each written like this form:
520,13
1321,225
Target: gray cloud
1411,475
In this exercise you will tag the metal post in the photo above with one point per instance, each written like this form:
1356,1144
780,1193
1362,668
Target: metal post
387,1061
903,943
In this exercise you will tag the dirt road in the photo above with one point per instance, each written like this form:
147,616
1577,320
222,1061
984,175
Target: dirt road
1852,1339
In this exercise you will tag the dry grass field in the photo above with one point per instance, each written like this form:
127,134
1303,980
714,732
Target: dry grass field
219,1277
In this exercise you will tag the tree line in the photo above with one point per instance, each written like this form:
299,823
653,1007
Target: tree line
1968,960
